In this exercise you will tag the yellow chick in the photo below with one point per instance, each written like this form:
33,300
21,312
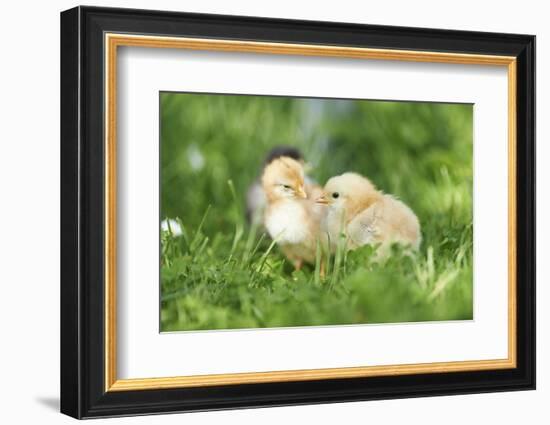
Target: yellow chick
366,215
256,201
291,218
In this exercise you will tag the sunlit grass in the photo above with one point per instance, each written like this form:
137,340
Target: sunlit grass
253,286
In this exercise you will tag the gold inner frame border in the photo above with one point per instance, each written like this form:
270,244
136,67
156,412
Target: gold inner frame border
112,41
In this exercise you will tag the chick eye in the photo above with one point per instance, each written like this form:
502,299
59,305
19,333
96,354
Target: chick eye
335,195
286,186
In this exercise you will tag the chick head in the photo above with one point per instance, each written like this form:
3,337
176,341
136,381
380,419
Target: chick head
283,178
350,192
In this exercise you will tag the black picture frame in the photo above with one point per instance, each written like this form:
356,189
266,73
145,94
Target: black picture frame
83,392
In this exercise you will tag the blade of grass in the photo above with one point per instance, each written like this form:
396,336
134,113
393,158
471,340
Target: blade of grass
202,246
249,242
444,280
317,273
328,256
339,250
236,203
260,240
184,234
263,258
198,236
236,239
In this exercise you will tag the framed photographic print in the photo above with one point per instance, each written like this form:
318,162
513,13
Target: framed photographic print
261,212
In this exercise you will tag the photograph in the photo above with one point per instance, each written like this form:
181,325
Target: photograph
264,211
288,212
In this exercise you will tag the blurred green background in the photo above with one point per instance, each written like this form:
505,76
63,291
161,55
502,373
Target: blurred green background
420,152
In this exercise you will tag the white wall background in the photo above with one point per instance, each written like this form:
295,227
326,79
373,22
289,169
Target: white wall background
29,212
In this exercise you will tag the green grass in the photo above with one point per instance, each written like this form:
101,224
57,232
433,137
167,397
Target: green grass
222,274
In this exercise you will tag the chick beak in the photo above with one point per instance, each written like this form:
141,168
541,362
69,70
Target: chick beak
302,193
322,200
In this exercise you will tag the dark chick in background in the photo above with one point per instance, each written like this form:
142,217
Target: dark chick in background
256,200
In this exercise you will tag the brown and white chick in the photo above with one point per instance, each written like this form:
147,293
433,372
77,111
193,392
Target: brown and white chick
365,215
291,218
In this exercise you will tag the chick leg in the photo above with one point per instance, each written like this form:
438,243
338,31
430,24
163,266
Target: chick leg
298,264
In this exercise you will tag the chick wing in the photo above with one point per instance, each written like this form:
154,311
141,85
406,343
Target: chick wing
386,221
